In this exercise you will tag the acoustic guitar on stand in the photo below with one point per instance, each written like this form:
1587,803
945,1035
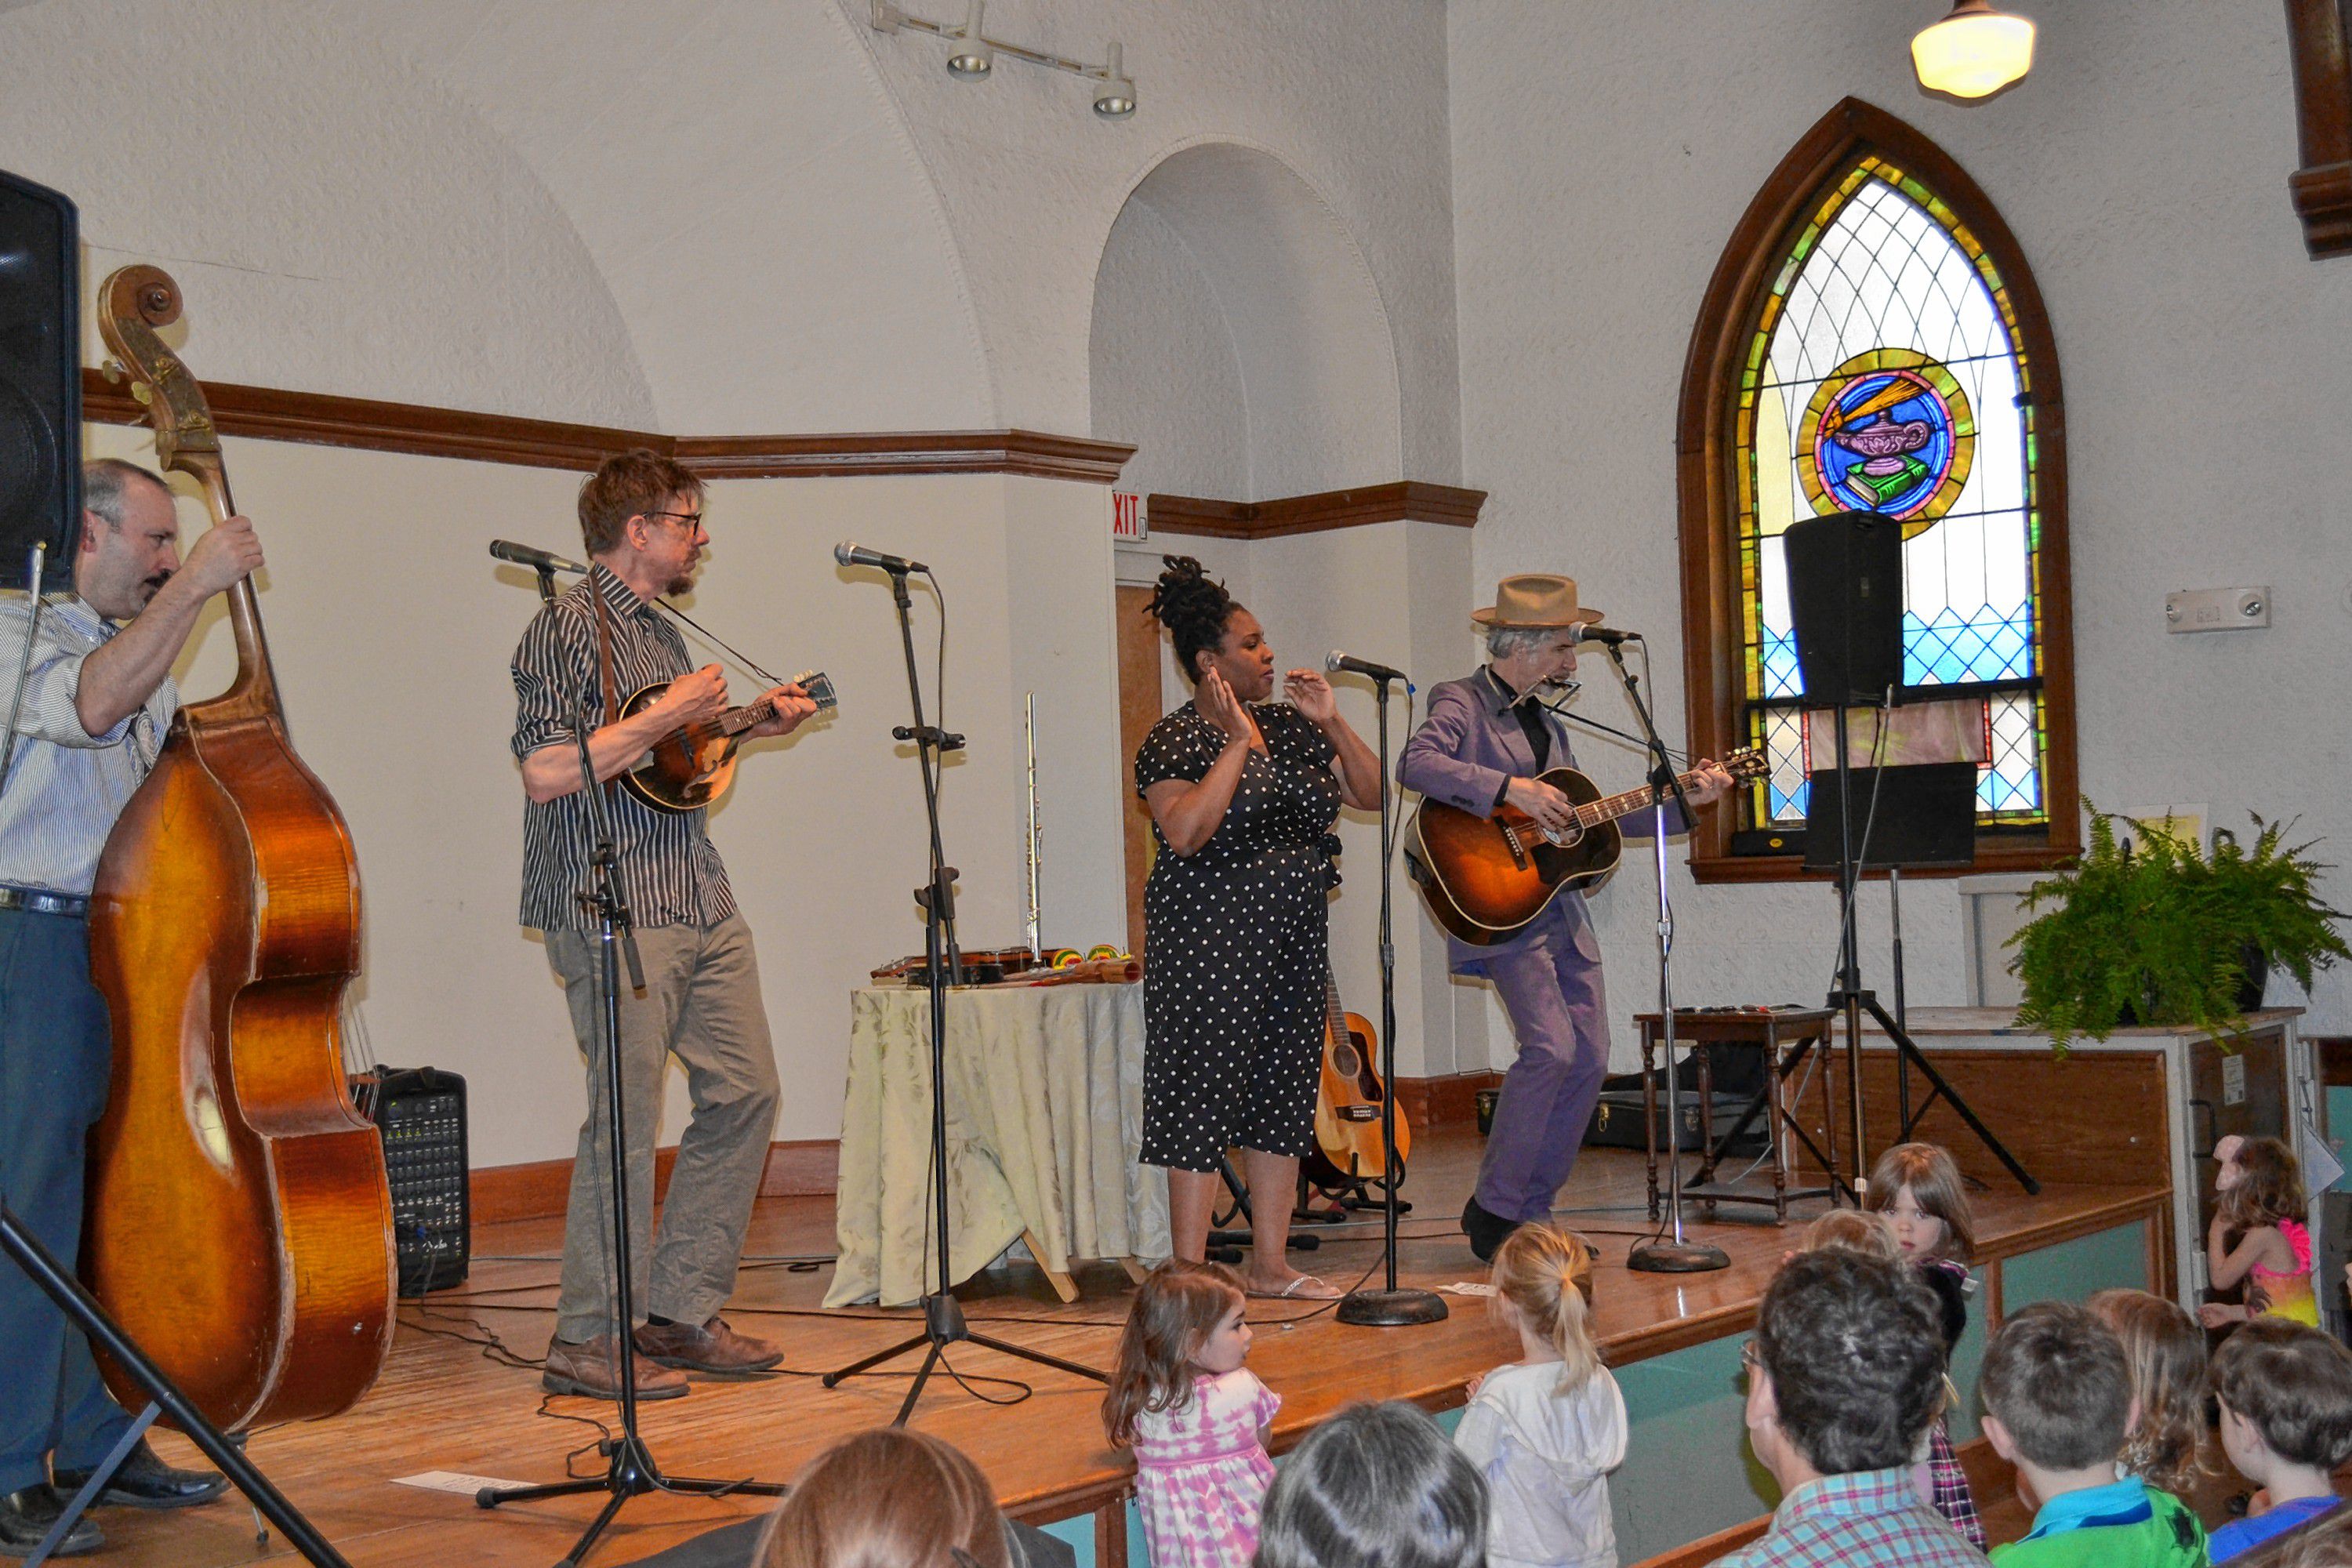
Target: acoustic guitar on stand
1348,1102
1485,879
692,766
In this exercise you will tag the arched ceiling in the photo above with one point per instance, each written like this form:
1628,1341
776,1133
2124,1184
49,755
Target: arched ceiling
746,189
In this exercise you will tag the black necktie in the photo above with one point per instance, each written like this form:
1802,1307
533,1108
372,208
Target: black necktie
1531,720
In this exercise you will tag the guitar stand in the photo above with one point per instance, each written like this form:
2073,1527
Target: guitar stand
1225,1245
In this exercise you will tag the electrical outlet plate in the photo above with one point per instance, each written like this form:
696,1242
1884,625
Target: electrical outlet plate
2217,609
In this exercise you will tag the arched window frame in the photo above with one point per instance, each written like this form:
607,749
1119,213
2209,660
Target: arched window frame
1706,449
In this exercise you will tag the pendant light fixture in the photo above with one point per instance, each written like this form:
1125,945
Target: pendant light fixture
1974,52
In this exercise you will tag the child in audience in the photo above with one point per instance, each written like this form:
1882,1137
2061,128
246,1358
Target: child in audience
2285,1393
1377,1486
1546,1430
1194,1415
891,1497
2164,1350
2260,1203
1917,1188
2057,1404
1851,1230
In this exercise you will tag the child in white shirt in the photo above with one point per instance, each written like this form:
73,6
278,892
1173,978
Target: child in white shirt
1546,1430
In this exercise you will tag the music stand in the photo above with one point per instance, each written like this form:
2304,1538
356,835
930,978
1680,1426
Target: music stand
1919,816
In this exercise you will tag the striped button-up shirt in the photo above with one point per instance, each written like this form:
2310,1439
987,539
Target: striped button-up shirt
66,786
670,871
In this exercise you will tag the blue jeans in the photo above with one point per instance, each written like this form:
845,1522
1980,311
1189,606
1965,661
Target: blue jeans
56,1054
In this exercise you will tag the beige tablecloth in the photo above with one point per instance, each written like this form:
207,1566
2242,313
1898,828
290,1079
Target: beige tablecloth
1045,1092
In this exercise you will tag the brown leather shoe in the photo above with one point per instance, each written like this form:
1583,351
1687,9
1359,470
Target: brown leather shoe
594,1372
712,1348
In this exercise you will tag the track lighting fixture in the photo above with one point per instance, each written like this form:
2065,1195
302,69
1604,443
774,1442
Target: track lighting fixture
971,54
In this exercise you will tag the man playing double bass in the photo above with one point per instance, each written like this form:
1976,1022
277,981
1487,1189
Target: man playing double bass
1484,743
96,705
641,519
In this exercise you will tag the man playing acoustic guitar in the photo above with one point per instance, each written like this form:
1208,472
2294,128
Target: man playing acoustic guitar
641,519
1482,745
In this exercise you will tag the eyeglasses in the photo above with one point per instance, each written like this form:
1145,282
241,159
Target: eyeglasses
691,519
1749,1355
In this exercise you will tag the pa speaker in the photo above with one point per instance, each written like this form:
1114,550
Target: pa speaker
1845,604
40,382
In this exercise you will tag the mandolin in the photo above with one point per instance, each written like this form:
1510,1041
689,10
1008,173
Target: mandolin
1348,1102
1485,879
692,766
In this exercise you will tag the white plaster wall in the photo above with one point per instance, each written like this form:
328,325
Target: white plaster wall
1164,374
1352,99
2207,364
746,189
392,633
1230,292
339,220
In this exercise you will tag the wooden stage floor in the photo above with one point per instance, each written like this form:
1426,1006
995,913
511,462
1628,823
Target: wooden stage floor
444,1405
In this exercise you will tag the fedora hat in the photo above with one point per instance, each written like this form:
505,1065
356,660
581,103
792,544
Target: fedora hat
1535,599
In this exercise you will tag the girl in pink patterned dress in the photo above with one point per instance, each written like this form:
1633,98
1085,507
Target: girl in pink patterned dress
1195,1417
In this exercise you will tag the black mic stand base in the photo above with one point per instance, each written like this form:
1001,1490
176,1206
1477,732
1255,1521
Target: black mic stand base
1676,1258
1390,1308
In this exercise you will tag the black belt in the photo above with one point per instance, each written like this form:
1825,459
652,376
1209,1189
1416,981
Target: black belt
41,901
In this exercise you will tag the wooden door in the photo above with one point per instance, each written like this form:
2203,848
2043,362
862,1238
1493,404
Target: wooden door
1138,710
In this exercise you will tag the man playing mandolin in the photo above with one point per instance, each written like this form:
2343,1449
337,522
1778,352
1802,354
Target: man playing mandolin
1481,747
641,519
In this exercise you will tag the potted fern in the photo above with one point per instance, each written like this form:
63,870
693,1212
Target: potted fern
2163,934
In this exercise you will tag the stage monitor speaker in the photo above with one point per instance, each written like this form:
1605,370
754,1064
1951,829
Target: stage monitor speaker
40,382
1845,605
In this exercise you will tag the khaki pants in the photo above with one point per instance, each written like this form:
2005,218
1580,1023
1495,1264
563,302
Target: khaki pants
702,1005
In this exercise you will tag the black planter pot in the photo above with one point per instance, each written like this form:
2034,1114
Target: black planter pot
2250,989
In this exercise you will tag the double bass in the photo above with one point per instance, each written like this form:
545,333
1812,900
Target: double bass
239,1223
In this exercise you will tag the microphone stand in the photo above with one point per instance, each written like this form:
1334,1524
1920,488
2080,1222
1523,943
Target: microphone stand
630,1471
1680,1254
943,1320
1390,1307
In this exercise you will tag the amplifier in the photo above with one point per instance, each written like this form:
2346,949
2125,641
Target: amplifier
1617,1122
421,1115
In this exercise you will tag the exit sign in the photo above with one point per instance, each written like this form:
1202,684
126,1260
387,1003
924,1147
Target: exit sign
1126,518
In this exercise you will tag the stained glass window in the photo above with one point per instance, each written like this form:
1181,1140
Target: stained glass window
1885,373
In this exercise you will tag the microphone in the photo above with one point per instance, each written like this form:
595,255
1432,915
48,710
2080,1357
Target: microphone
850,554
1336,661
537,559
1605,636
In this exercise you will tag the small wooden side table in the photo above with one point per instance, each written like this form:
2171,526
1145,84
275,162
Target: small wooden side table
1784,1035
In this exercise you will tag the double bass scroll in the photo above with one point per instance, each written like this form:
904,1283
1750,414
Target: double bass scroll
239,1223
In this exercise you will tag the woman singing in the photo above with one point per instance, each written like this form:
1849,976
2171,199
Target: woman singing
1242,795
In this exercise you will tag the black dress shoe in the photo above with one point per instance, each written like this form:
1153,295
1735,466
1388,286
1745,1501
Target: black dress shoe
1485,1230
27,1516
143,1480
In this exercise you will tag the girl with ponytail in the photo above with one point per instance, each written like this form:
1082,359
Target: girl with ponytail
1546,1430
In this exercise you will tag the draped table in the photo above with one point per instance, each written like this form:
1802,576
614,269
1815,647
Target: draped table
1045,1114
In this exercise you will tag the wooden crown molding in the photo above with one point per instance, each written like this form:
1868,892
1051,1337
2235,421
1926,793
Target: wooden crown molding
1404,500
319,418
2322,188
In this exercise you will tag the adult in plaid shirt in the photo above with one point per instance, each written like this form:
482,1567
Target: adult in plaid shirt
1844,1374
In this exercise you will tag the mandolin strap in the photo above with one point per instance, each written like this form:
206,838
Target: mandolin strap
604,687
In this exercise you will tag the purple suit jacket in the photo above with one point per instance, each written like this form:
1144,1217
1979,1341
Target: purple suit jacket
1469,745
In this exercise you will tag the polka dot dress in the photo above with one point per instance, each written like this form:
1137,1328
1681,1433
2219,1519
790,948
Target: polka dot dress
1235,940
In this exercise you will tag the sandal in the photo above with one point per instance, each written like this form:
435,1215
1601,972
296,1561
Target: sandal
1293,1292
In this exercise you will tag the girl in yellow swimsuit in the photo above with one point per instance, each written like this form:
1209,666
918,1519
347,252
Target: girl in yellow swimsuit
2261,1203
